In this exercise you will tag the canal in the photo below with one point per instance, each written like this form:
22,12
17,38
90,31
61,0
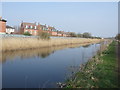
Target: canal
43,68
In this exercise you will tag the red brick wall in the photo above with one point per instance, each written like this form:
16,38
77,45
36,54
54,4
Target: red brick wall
54,33
34,32
2,26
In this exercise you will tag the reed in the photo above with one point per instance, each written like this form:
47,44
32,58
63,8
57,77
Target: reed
17,43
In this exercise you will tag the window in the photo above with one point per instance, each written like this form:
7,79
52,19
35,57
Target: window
26,26
35,27
13,30
31,27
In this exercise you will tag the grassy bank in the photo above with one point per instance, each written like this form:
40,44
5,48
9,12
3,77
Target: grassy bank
15,43
99,72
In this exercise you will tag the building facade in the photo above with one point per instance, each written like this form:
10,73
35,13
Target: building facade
34,29
52,31
10,30
2,26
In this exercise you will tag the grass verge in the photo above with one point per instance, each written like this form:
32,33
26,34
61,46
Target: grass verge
99,72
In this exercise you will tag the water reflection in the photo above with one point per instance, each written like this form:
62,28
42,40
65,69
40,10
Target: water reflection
41,52
86,46
30,68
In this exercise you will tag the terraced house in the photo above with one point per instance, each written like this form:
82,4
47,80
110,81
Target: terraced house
52,31
34,29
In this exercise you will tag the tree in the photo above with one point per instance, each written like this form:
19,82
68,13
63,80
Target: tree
43,35
17,29
27,34
118,37
73,34
86,35
79,35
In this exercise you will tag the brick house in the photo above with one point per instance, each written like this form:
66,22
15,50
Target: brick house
61,34
2,26
32,28
52,31
67,34
64,34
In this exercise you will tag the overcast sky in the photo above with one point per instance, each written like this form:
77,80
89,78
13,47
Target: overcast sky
98,18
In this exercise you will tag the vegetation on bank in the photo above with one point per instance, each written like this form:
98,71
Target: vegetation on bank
83,35
99,72
44,35
20,43
117,37
27,34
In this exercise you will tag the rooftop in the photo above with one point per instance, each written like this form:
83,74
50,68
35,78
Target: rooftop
26,23
9,27
2,19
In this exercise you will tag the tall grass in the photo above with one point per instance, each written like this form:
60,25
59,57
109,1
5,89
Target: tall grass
15,43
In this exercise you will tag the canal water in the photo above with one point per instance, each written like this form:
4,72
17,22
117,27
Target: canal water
43,68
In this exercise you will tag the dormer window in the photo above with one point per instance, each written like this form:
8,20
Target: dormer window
35,27
26,26
31,27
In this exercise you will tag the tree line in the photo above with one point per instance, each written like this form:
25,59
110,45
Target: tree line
84,35
117,37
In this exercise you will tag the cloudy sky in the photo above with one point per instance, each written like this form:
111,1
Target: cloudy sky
98,18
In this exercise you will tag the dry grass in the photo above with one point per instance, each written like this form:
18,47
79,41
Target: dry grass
15,43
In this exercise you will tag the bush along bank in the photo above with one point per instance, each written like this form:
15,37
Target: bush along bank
99,72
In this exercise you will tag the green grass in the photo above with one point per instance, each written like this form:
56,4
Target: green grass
100,72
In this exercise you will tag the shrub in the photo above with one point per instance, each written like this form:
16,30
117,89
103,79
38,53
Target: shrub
72,34
86,35
118,37
44,35
27,34
79,35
